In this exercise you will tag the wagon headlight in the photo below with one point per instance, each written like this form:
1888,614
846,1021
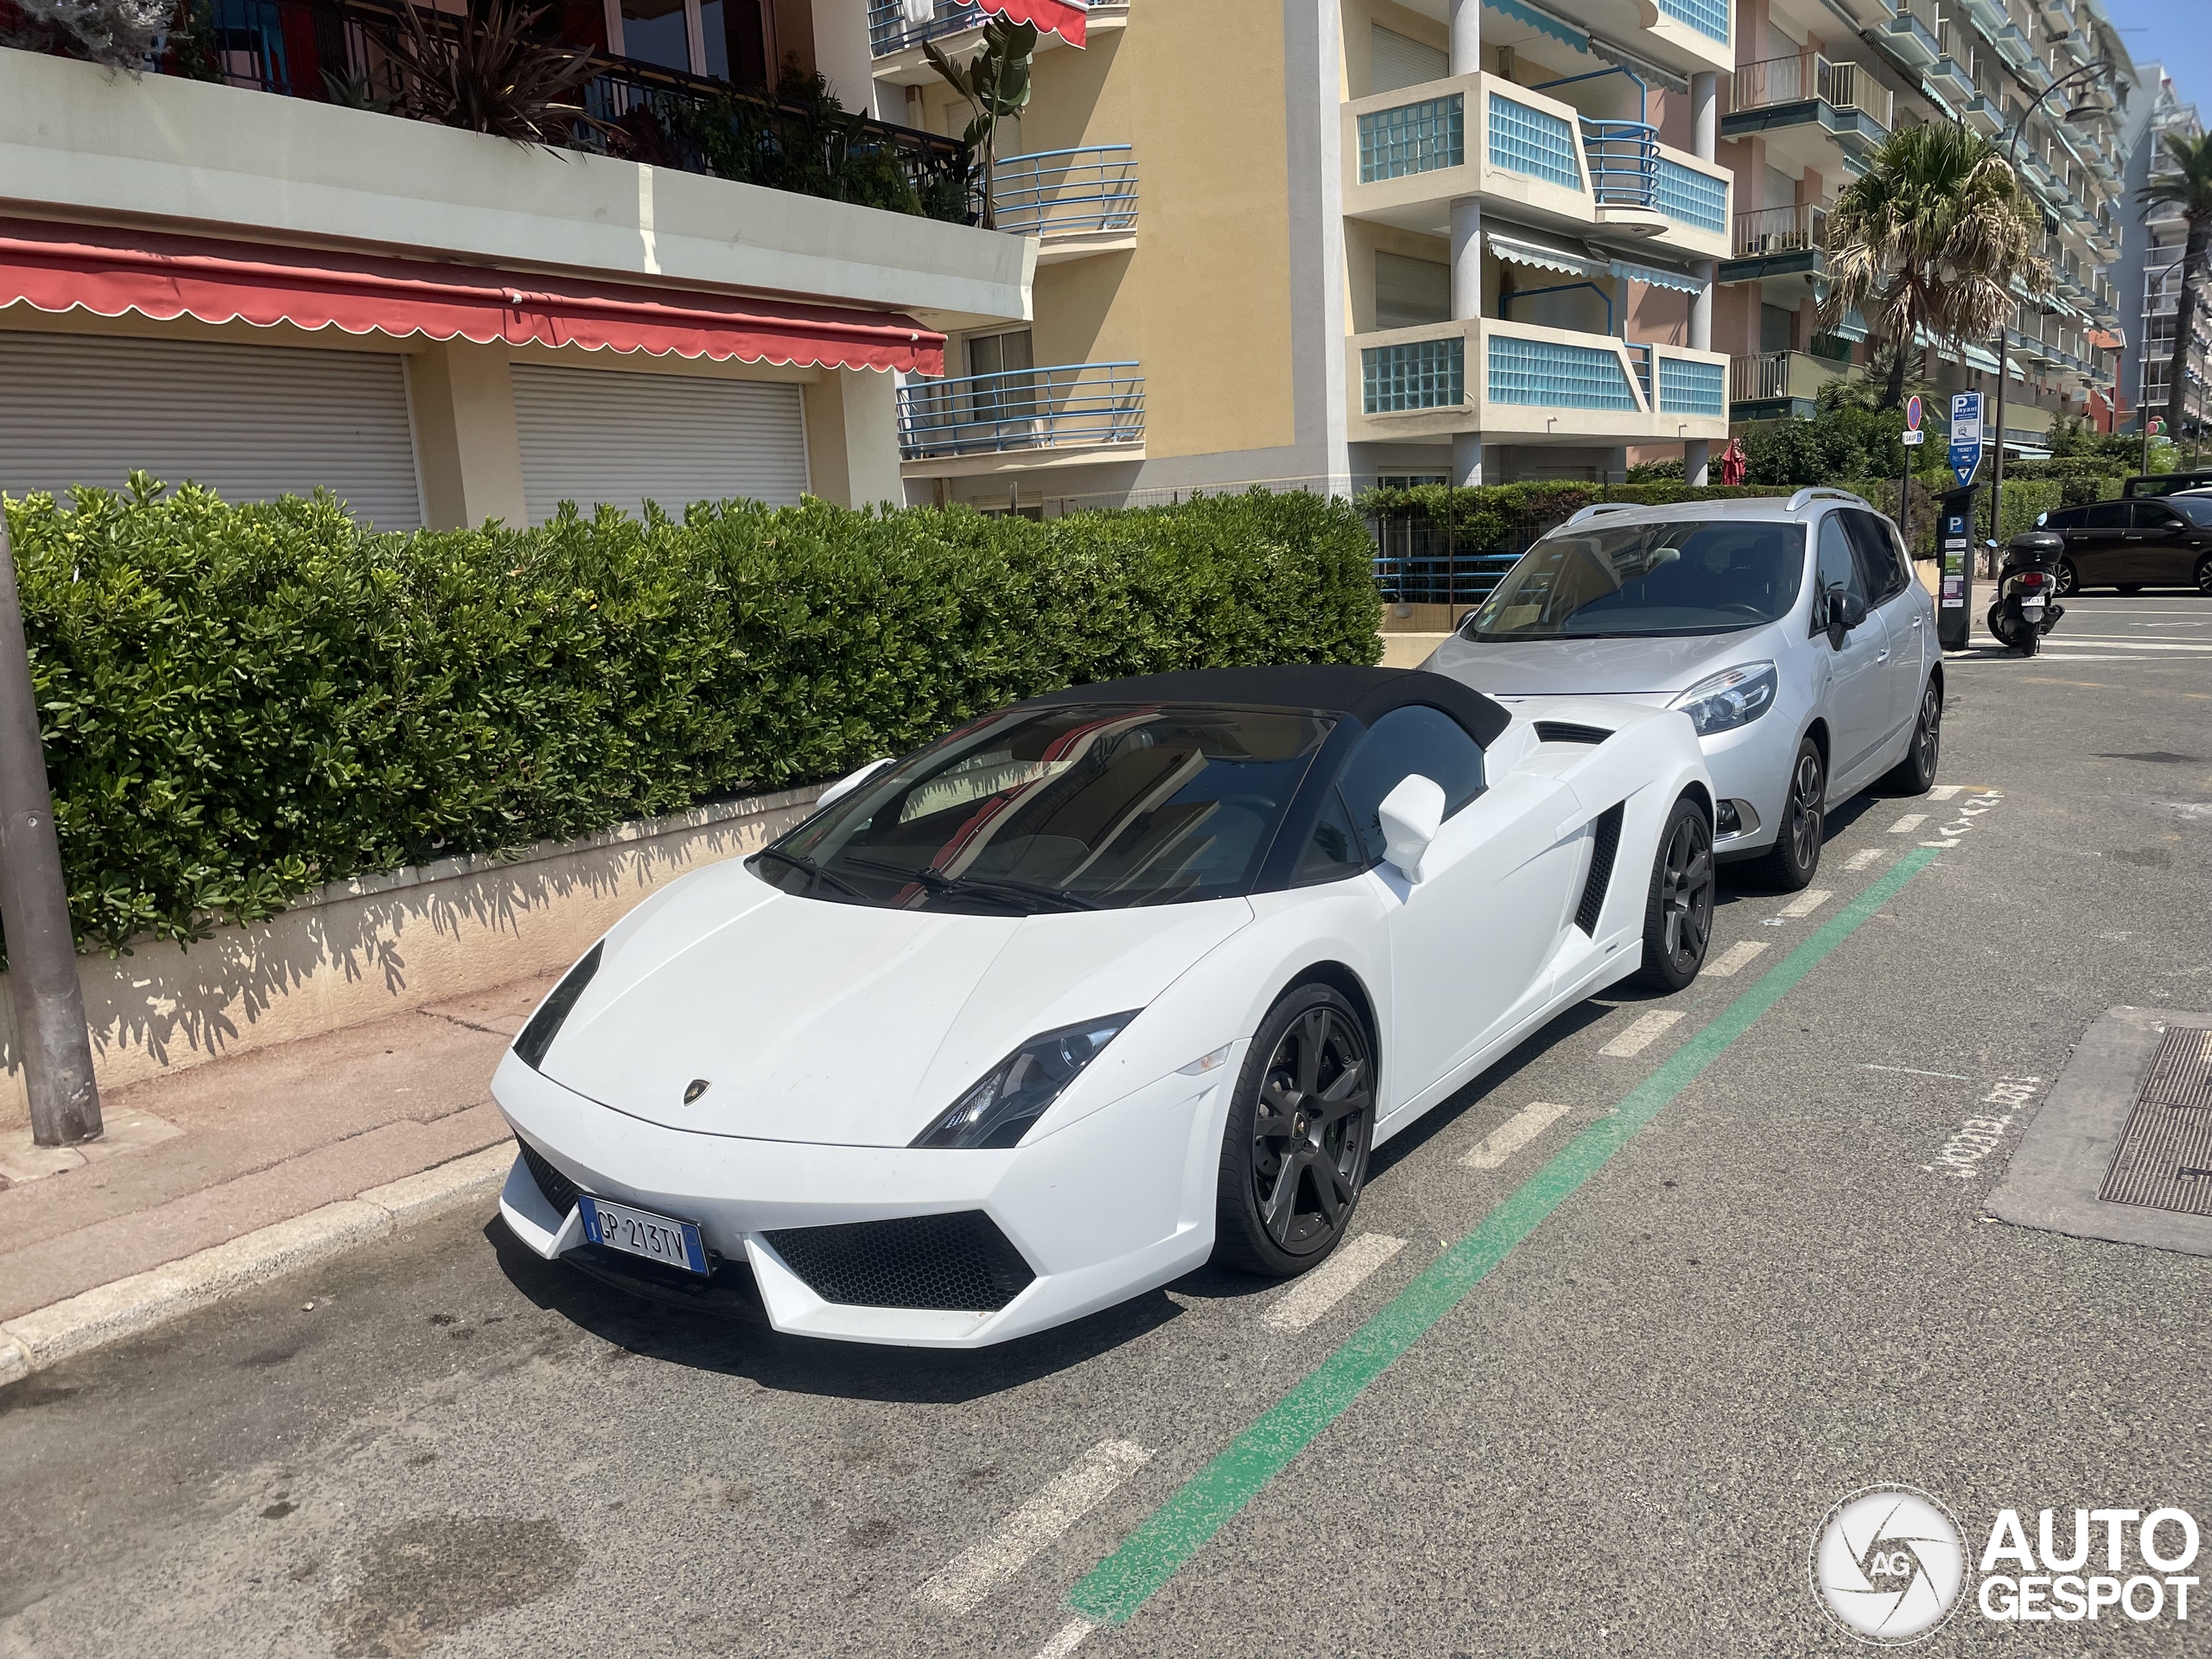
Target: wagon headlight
1735,696
537,1036
1013,1094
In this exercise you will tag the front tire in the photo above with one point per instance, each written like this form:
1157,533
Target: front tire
1795,858
2205,575
1916,773
1678,908
1294,1158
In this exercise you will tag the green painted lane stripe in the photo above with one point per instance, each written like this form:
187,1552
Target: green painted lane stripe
1151,1555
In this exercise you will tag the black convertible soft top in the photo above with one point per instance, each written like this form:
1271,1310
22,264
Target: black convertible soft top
1365,694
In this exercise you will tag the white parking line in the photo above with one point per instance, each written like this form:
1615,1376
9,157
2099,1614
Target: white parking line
1731,962
1518,1130
1860,860
1944,792
1078,1490
1805,903
1067,1638
1639,1036
1334,1280
1907,824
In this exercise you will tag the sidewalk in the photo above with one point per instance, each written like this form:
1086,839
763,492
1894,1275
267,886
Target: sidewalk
240,1168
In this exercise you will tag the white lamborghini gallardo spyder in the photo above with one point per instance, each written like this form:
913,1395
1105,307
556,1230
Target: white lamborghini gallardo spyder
1092,989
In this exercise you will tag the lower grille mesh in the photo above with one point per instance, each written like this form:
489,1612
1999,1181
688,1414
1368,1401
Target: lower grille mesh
560,1192
959,1263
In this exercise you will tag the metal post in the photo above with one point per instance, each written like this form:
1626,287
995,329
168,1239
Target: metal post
50,1006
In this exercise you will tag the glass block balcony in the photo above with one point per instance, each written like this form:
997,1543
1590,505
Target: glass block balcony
1408,154
1074,410
1693,34
1530,384
1075,202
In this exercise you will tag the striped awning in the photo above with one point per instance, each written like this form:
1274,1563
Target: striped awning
1680,282
1542,21
1545,256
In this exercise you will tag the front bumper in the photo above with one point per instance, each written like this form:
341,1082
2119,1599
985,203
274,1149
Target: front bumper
1118,1202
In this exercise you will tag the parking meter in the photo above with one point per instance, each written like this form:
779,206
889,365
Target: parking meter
1955,543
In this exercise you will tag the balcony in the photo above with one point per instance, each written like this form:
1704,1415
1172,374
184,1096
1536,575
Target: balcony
1807,107
1074,201
1779,386
1910,36
1408,154
1983,114
896,37
1021,418
1780,246
1529,384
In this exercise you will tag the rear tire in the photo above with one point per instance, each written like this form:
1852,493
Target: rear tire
1795,858
1678,907
2070,580
1293,1157
2030,640
1916,773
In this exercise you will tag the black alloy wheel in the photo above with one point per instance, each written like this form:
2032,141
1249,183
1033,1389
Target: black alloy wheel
1916,773
2205,575
1294,1157
1678,911
1796,857
2069,579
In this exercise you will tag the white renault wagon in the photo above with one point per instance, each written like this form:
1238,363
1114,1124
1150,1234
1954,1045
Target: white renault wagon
1794,634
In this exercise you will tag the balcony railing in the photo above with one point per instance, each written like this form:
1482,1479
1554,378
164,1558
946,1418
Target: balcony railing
1086,404
332,51
1780,229
893,26
1771,376
1624,162
1775,81
1066,192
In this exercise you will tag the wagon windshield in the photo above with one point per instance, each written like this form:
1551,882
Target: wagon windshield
1070,807
1599,580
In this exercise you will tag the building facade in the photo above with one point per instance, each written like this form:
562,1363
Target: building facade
2150,273
1819,83
234,278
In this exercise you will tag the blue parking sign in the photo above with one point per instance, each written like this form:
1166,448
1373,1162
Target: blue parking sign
1965,435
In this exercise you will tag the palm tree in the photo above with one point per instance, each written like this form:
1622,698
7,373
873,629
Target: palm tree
2189,188
1929,243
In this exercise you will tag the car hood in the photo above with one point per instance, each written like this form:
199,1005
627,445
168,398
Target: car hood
1551,668
846,1024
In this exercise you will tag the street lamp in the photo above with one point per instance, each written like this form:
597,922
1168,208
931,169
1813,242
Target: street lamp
2086,72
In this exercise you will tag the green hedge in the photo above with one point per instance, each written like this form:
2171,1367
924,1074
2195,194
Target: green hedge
241,702
1494,518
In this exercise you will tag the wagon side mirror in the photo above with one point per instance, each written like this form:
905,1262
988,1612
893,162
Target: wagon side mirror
1846,610
1411,814
851,781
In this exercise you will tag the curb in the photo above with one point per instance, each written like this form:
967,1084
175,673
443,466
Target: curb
126,1308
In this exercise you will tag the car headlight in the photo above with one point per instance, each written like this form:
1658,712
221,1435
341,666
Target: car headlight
1733,698
1013,1094
544,1025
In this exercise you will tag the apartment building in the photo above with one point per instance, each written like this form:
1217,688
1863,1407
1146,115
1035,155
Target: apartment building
2150,268
1818,84
219,270
1326,243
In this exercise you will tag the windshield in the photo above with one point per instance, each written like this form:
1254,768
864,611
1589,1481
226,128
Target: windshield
1074,807
1597,581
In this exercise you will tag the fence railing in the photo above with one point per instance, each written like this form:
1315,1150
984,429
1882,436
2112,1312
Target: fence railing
1021,409
1624,162
1064,192
1774,81
893,26
1780,229
1770,375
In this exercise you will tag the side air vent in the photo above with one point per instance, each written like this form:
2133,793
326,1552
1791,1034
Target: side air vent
960,1263
1566,731
1601,869
560,1192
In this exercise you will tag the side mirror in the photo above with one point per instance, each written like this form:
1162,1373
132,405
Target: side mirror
1846,610
1411,815
851,781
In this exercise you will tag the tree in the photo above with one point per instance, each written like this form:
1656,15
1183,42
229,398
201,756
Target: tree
995,83
2189,188
1928,242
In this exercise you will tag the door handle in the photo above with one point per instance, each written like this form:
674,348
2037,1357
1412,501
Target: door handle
1917,621
1884,655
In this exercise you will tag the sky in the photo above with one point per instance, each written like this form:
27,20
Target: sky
2176,32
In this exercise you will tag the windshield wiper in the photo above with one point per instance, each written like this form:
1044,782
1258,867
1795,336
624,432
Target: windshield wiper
812,871
1004,888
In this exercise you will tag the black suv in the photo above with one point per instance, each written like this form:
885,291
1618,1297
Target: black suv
2163,541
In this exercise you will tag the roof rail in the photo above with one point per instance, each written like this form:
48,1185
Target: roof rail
1597,507
1797,501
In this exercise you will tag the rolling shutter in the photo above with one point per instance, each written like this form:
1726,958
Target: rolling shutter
590,435
252,423
1399,60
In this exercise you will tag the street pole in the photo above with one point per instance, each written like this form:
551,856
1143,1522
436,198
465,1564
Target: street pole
51,1039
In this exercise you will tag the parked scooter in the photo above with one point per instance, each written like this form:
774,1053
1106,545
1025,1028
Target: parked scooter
2026,607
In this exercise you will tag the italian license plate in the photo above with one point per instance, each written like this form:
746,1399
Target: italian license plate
640,1232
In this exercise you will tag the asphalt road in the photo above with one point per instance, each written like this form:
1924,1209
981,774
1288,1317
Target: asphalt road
1623,1439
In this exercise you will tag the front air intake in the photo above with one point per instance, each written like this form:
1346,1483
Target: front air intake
1566,731
560,1192
1608,844
956,1263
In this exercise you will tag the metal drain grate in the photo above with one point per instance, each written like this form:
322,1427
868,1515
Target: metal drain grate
2164,1157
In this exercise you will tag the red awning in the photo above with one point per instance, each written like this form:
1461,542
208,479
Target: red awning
2105,340
1065,18
112,272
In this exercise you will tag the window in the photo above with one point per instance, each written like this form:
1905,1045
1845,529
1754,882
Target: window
1415,739
2108,515
1777,329
1409,292
2156,515
2066,518
1012,396
730,40
1838,566
1396,60
1879,561
1334,852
